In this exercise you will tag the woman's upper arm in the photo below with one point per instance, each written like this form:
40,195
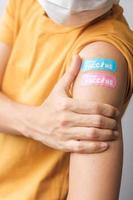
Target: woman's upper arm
102,92
7,30
5,52
97,176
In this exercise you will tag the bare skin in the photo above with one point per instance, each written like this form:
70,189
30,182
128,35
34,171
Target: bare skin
98,176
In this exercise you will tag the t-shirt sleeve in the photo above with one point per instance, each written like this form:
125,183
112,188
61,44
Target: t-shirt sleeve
8,23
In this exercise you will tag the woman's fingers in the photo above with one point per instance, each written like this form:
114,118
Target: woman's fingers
91,134
84,120
85,107
85,147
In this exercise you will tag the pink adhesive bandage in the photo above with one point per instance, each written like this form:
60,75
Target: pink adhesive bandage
101,79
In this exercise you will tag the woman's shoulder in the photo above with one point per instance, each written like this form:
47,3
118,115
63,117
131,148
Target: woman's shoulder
113,26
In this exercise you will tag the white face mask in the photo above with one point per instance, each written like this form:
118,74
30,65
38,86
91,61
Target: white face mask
75,12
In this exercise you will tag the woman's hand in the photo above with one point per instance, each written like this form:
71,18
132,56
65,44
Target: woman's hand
71,125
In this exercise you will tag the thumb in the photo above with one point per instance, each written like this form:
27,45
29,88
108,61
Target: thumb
70,75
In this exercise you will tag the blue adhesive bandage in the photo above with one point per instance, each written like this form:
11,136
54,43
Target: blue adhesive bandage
102,64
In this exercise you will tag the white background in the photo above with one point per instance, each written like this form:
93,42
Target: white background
127,179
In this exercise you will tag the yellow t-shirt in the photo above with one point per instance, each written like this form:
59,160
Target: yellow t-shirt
41,52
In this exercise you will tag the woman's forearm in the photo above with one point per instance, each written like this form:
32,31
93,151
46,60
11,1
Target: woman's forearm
11,115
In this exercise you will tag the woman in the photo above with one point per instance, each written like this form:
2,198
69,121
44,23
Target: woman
38,41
